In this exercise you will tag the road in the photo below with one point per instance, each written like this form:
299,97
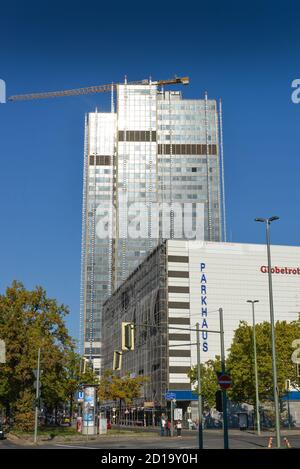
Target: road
212,440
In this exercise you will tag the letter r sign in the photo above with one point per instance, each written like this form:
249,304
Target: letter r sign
2,92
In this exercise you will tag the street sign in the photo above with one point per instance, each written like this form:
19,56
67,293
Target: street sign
177,414
80,397
170,395
224,381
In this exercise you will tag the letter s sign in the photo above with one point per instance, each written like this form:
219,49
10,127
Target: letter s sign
296,354
296,92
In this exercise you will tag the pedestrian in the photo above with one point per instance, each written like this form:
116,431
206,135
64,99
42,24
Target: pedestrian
178,427
162,425
168,427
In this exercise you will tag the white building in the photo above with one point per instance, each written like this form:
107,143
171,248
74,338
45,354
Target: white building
184,282
227,275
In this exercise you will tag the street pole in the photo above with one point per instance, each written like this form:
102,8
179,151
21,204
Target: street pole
199,388
255,366
172,419
37,395
224,395
268,221
289,410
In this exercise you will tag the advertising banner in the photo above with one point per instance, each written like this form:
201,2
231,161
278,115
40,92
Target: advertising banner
89,404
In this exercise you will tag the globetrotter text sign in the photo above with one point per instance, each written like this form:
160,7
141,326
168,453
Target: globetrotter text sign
204,324
281,270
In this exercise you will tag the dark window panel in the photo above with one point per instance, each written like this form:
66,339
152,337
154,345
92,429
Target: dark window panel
178,273
179,369
181,337
179,304
179,353
179,321
175,289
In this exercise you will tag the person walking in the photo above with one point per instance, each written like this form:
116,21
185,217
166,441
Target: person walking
168,427
178,427
162,425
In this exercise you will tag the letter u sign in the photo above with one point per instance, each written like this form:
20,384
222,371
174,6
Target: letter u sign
2,92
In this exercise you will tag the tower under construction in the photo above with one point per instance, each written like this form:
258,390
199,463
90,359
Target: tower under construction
153,148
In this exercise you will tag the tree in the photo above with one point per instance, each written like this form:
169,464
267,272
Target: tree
24,413
209,382
240,362
116,388
29,320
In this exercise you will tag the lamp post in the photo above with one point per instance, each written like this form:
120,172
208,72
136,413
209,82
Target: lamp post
255,367
267,222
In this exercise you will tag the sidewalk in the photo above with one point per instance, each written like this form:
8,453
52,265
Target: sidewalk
217,431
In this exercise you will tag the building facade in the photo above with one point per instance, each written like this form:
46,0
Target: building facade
161,153
183,283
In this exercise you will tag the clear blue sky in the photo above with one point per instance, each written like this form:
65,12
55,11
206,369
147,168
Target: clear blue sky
245,52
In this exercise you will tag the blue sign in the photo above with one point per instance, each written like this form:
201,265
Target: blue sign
80,396
204,324
170,395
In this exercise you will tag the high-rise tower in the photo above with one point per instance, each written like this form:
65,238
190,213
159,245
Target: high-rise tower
157,148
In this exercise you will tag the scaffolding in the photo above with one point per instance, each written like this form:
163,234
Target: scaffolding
142,300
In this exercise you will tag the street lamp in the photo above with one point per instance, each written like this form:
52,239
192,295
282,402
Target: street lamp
255,366
268,221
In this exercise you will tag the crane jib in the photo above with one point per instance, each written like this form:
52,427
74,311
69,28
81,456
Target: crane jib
94,89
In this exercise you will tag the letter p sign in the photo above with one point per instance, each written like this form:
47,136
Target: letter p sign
2,92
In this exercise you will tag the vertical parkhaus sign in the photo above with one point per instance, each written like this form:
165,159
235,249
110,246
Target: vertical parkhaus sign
204,312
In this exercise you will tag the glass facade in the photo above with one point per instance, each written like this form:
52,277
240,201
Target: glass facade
157,148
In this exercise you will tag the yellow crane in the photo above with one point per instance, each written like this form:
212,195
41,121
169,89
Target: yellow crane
94,89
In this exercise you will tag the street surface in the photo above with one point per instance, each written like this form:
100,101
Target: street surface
213,439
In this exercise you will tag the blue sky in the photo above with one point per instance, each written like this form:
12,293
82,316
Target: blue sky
245,52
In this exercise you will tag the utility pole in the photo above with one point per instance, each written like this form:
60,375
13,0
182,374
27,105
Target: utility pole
224,395
255,366
172,416
199,388
37,396
268,222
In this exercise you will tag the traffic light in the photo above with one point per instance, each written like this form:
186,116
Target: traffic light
38,402
127,336
219,401
117,364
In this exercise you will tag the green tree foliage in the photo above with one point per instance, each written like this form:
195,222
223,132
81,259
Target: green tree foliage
209,382
240,362
24,420
29,320
116,388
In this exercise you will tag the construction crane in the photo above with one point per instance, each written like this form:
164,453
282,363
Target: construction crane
95,89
